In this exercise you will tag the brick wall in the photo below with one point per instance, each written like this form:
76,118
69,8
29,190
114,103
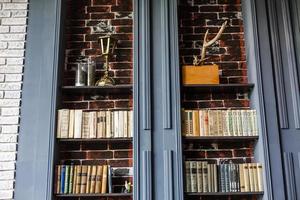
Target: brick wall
195,17
13,20
81,35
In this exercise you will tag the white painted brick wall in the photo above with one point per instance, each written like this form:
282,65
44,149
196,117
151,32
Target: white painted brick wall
13,24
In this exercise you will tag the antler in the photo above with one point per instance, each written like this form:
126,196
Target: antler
209,43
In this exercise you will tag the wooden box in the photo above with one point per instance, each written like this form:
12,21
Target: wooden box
205,74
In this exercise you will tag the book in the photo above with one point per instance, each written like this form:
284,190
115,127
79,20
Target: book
193,166
205,176
59,116
189,123
206,123
88,182
57,179
71,124
62,179
246,178
104,179
251,177
64,124
188,176
222,178
99,172
78,180
225,123
215,180
109,179
209,175
85,125
199,176
130,123
78,124
116,123
259,177
241,177
70,190
83,183
101,124
93,125
220,122
74,179
108,124
195,123
125,133
255,177
93,179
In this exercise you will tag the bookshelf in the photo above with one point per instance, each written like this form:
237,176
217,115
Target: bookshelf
219,124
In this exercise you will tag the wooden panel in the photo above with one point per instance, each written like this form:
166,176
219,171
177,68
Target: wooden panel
206,74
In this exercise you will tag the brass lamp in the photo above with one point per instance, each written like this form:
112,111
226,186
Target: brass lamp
107,44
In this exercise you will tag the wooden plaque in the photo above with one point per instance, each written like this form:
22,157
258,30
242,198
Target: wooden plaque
205,74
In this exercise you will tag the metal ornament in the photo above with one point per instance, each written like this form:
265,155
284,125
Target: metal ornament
107,44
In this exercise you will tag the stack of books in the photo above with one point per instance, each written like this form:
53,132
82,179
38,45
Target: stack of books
202,177
94,124
219,123
83,179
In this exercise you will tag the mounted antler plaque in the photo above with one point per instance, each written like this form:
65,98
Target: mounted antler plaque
199,73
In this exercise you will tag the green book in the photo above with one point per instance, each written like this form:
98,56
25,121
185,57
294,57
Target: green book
71,178
67,177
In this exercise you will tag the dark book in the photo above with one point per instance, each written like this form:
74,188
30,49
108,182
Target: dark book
62,179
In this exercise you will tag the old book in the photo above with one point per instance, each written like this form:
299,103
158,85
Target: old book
225,123
183,122
249,126
62,178
254,123
125,115
74,180
193,166
121,124
219,123
259,177
189,123
57,179
201,123
92,124
101,124
67,178
116,123
226,176
130,123
71,124
78,124
112,121
205,176
70,189
239,122
251,177
98,186
206,123
209,176
88,182
188,187
199,176
234,122
196,129
241,177
59,113
83,183
221,178
230,177
230,124
108,124
246,177
78,179
244,123
93,179
104,179
64,126
255,176
215,172
85,125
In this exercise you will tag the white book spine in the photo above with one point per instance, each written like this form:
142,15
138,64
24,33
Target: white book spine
125,115
78,124
116,123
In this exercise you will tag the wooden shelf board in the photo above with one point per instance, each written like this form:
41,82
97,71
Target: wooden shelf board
225,194
221,138
95,195
95,140
116,89
219,88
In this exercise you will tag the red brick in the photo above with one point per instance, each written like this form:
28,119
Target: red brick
104,2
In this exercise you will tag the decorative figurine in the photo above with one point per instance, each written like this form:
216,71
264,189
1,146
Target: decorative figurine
127,187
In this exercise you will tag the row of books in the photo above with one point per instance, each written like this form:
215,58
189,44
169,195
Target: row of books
219,123
82,179
202,177
94,124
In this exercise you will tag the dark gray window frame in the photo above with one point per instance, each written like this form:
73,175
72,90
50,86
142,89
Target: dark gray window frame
34,168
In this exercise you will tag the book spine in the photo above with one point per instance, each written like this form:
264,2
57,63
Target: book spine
78,124
226,176
225,122
260,177
205,176
199,176
83,184
78,179
74,179
104,180
125,115
215,169
85,125
239,122
246,177
99,173
71,179
116,124
222,178
58,175
62,179
209,175
110,189
193,166
188,177
93,179
220,122
196,129
88,182
71,124
255,177
64,129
